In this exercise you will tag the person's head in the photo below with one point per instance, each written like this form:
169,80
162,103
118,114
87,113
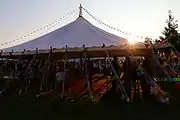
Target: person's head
88,58
115,58
60,64
58,69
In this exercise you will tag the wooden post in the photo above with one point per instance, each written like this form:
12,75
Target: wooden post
81,63
22,53
27,81
85,64
65,71
49,65
86,73
2,75
43,82
9,72
106,75
1,72
99,65
36,51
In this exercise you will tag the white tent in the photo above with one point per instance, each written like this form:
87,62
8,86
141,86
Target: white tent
74,34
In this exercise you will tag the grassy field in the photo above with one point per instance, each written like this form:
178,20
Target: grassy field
108,108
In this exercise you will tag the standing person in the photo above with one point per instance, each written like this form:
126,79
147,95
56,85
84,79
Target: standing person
90,68
146,83
52,75
60,77
131,77
34,75
116,74
140,79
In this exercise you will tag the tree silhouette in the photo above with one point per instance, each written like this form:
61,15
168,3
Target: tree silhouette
171,31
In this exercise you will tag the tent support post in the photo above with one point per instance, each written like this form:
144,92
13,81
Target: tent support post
27,82
106,76
1,72
45,75
81,63
34,60
49,66
65,72
99,65
10,54
86,73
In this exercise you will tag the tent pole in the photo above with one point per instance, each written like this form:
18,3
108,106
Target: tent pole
123,90
80,11
20,89
99,65
1,72
81,63
22,53
105,60
8,66
65,72
26,81
9,69
45,75
86,73
15,70
6,83
49,66
34,60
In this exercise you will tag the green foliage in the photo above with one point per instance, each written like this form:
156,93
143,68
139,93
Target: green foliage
170,31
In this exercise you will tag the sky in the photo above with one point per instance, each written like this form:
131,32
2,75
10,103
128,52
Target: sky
138,17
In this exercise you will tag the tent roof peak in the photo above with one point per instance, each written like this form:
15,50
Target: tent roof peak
80,10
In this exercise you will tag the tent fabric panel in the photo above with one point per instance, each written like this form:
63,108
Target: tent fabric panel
74,35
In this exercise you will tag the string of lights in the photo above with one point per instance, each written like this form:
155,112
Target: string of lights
53,24
113,28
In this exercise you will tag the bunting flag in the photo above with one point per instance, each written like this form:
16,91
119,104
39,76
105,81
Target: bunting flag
169,70
42,28
172,55
70,13
162,42
110,27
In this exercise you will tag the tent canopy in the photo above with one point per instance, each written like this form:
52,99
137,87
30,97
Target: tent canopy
74,34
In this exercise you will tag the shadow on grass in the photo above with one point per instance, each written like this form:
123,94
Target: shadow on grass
109,108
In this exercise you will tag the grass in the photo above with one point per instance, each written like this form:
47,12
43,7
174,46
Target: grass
108,108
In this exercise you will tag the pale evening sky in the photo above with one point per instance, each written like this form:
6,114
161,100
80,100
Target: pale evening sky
139,17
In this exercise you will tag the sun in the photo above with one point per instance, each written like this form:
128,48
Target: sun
132,41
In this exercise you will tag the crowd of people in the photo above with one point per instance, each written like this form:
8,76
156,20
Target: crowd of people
133,74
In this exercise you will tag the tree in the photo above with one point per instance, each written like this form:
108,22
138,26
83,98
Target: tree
171,31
